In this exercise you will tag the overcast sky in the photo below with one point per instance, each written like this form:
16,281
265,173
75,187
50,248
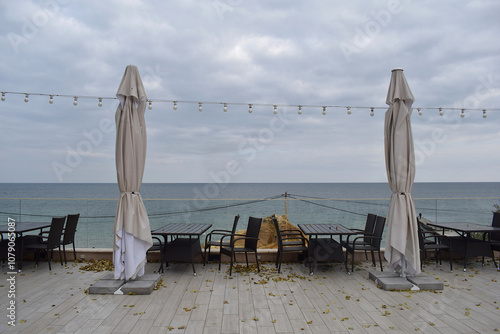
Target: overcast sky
285,53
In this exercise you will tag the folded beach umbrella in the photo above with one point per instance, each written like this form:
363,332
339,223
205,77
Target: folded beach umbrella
132,230
402,249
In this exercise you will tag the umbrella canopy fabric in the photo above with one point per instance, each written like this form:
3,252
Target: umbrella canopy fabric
132,230
402,248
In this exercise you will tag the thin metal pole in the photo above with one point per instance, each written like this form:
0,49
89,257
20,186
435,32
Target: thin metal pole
286,206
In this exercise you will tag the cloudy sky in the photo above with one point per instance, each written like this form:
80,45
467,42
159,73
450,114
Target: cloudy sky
286,53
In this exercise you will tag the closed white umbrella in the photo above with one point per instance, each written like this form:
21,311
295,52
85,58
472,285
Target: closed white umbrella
402,249
132,230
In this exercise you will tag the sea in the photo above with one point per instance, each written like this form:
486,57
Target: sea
217,204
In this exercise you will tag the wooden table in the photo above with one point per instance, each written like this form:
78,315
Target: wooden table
464,244
184,244
322,246
18,229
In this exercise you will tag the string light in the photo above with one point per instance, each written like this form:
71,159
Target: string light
75,101
226,104
249,108
463,113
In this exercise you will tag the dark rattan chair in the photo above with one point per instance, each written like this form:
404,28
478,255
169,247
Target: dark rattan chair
210,241
359,244
431,240
53,241
291,245
368,231
251,237
494,237
69,234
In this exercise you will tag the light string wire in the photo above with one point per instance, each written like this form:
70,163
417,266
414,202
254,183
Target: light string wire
250,105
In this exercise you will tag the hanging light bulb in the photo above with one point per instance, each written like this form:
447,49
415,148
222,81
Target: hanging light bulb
225,107
463,113
249,109
51,99
26,98
419,111
371,111
324,110
150,105
349,110
3,96
200,106
75,101
441,111
100,102
300,110
484,113
175,105
275,109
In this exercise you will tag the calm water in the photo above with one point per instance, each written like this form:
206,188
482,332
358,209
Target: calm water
345,203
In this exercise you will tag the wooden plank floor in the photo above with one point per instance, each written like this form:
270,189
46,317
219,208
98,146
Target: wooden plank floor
330,301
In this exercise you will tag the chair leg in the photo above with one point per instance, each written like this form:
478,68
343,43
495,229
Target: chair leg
257,260
64,252
346,259
60,256
49,258
373,258
231,266
380,260
451,265
246,257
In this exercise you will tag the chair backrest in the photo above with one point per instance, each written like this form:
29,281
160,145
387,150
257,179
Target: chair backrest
495,223
235,223
253,230
55,232
70,229
278,233
377,232
420,234
370,225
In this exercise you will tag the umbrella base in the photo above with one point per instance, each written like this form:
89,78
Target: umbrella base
392,281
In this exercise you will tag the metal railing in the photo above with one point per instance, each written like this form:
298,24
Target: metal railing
95,228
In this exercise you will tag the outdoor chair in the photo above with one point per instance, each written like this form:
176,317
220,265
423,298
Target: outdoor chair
250,238
494,237
431,240
69,234
366,232
53,241
290,246
158,246
209,242
372,246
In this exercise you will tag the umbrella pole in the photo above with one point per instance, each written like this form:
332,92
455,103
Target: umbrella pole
403,265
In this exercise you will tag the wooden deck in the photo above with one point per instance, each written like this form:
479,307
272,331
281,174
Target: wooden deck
330,301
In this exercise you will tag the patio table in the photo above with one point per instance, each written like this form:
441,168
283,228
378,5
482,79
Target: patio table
19,229
322,246
184,244
464,244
